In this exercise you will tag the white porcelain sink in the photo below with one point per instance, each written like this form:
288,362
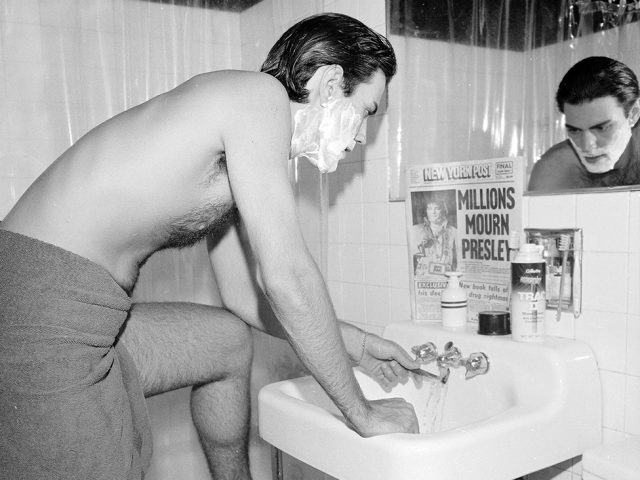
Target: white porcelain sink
538,405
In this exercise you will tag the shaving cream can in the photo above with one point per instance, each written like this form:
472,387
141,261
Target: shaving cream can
528,294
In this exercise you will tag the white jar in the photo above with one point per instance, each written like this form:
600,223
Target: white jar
453,302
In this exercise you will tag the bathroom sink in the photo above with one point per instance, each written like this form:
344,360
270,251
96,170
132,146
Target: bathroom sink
539,404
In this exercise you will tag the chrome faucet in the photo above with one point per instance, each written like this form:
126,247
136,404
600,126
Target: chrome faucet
476,364
450,358
425,353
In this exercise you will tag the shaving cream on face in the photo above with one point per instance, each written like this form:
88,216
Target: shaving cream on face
322,134
608,154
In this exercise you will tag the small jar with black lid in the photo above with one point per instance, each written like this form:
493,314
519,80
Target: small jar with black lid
494,322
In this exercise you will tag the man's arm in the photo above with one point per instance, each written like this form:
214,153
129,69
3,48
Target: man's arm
257,139
234,269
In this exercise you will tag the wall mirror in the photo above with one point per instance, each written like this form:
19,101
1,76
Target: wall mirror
477,78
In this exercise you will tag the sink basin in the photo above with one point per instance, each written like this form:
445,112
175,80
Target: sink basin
538,405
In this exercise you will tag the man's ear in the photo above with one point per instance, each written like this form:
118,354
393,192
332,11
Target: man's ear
634,113
330,83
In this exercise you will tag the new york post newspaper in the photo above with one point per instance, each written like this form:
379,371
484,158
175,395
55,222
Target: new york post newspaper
459,218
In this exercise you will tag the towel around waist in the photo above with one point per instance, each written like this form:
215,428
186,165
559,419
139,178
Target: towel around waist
71,403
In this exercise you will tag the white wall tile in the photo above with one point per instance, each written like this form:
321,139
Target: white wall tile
397,224
333,224
376,223
399,305
634,222
346,183
351,222
633,294
613,402
334,265
604,282
632,406
352,263
355,156
348,7
375,182
376,147
603,331
377,304
604,219
398,267
376,265
372,12
552,211
354,302
633,346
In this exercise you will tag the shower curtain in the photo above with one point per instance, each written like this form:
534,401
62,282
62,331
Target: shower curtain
478,78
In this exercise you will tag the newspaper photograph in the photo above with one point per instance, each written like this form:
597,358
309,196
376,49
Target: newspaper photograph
459,218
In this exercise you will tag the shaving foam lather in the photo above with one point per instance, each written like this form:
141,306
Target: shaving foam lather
324,134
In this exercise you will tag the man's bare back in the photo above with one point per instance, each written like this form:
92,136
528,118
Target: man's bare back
153,177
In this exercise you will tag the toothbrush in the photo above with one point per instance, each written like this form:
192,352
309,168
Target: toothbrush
563,246
514,243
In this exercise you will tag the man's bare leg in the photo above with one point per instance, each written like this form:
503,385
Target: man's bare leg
180,344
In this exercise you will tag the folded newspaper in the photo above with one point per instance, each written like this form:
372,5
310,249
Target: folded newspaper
459,218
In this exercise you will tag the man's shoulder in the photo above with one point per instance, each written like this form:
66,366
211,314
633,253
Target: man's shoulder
560,151
224,98
236,84
557,168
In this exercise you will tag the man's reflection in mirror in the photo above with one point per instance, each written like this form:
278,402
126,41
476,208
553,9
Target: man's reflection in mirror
599,99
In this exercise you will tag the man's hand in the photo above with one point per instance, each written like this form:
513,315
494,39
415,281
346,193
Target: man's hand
388,415
385,361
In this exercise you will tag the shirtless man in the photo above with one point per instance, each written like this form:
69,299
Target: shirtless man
167,173
599,97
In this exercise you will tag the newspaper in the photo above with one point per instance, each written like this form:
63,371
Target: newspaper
459,218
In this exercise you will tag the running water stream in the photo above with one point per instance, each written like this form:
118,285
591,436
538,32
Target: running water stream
431,420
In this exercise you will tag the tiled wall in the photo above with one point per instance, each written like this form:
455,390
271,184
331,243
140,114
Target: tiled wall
610,322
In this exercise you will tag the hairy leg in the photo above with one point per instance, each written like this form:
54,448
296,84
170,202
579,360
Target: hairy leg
180,344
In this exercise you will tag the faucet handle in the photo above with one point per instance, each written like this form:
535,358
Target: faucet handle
451,357
476,364
425,353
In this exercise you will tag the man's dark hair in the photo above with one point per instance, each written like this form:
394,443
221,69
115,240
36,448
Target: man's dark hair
328,39
596,77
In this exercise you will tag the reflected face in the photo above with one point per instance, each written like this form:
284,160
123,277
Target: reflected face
324,134
599,131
